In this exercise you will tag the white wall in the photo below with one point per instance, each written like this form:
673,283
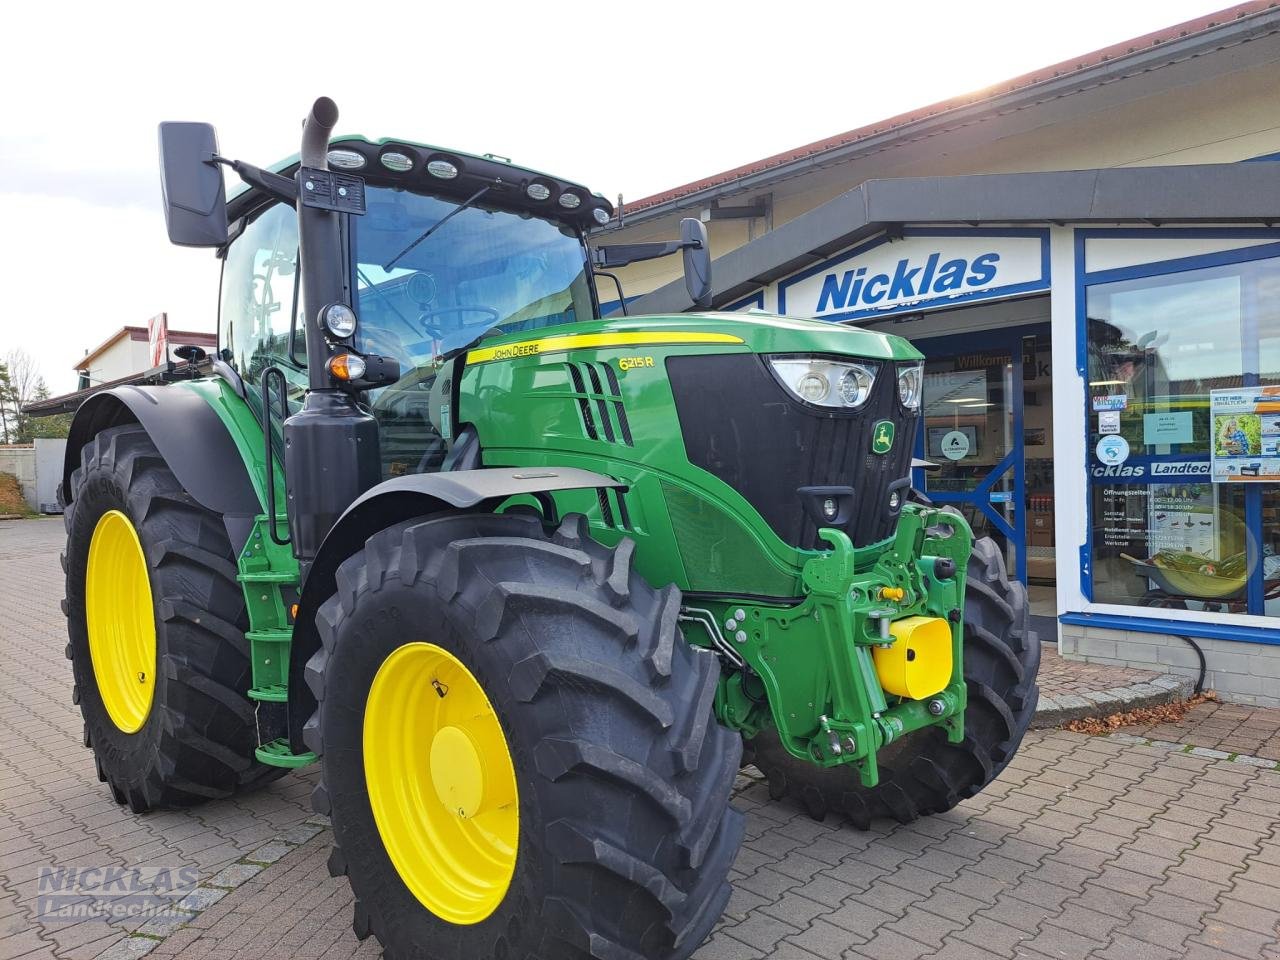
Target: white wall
123,358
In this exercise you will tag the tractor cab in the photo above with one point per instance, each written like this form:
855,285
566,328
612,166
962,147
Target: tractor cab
449,248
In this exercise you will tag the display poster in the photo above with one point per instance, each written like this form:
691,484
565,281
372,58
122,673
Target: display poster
1182,518
1246,434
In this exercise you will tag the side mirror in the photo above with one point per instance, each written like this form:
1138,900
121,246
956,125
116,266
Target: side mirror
195,197
697,261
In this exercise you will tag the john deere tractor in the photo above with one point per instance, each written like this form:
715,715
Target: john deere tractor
528,583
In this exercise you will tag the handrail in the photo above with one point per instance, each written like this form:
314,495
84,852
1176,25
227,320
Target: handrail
269,459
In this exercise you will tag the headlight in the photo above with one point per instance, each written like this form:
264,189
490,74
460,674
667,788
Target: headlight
910,385
827,383
339,320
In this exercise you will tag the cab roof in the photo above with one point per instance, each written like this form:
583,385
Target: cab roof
508,185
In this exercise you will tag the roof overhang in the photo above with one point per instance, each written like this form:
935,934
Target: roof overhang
1208,193
1190,41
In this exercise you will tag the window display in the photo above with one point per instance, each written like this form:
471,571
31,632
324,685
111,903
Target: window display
1179,411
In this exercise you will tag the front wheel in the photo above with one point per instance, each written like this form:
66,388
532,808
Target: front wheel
156,622
520,758
923,773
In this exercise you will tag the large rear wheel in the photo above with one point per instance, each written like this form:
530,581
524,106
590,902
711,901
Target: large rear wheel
923,773
520,757
156,622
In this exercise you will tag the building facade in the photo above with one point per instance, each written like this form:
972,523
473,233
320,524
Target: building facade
1103,345
128,352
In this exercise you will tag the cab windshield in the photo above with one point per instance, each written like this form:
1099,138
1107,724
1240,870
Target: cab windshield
427,286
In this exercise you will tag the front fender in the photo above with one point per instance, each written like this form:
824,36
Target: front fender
394,501
193,440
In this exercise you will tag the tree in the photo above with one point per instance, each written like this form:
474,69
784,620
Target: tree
40,428
20,385
8,405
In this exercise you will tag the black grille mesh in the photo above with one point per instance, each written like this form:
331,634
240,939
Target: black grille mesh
741,425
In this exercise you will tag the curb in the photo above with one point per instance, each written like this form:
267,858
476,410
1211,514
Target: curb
155,931
1055,711
1262,763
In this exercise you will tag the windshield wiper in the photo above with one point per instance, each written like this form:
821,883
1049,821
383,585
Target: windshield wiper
439,223
369,285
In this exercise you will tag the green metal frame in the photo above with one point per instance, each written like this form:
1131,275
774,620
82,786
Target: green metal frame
267,571
813,661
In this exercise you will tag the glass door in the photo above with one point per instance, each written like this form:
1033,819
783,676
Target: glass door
973,430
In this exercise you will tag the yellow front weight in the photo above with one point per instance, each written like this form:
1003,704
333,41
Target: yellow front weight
121,622
918,663
441,782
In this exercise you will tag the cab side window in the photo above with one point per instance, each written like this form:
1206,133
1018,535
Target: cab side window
260,297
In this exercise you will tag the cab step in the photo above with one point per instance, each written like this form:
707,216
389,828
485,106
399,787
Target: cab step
271,693
278,754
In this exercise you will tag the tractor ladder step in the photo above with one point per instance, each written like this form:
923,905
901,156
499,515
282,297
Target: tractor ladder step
271,693
270,576
277,753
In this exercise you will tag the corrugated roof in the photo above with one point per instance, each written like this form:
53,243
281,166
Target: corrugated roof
1107,55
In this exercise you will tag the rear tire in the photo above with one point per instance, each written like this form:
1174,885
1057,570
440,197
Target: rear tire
923,773
625,833
198,736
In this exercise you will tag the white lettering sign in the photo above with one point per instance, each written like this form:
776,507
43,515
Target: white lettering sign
920,270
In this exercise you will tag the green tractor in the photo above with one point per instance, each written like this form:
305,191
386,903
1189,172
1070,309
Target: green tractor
530,584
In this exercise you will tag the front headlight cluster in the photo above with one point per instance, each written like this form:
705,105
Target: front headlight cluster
827,383
910,384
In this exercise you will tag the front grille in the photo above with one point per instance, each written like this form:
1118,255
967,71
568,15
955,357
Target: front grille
741,425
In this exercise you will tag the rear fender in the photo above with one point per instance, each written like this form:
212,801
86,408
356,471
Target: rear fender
394,501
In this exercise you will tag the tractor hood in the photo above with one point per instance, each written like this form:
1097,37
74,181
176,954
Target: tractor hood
733,332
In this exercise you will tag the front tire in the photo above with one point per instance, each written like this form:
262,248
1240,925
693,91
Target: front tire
621,830
923,773
156,621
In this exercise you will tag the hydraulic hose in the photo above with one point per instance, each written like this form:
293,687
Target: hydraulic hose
1203,666
317,128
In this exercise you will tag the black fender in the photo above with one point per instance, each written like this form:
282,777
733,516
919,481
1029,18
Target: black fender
389,503
189,435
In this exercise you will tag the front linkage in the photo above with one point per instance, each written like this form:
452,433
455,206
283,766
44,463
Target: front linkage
819,671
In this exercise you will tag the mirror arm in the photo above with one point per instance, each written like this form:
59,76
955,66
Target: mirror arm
622,254
272,184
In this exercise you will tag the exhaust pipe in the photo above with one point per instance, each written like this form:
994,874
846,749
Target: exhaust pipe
317,128
330,445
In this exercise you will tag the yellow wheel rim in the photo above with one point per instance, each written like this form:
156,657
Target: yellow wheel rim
441,783
121,622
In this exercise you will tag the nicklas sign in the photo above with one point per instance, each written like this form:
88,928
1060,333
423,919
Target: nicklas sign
923,269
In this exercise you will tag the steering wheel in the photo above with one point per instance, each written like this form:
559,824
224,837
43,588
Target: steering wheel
426,318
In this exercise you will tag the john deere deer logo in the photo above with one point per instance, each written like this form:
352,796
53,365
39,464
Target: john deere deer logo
882,437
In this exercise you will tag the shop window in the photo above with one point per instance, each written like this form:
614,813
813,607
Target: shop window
1163,534
1271,549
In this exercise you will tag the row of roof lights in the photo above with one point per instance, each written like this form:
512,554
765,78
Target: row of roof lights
445,170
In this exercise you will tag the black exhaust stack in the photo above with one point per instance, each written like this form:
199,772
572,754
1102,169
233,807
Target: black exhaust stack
331,452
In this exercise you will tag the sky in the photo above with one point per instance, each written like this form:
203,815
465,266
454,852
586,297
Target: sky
627,98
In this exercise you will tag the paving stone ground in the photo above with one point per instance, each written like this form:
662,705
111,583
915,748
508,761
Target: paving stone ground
1230,727
1099,848
1059,675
